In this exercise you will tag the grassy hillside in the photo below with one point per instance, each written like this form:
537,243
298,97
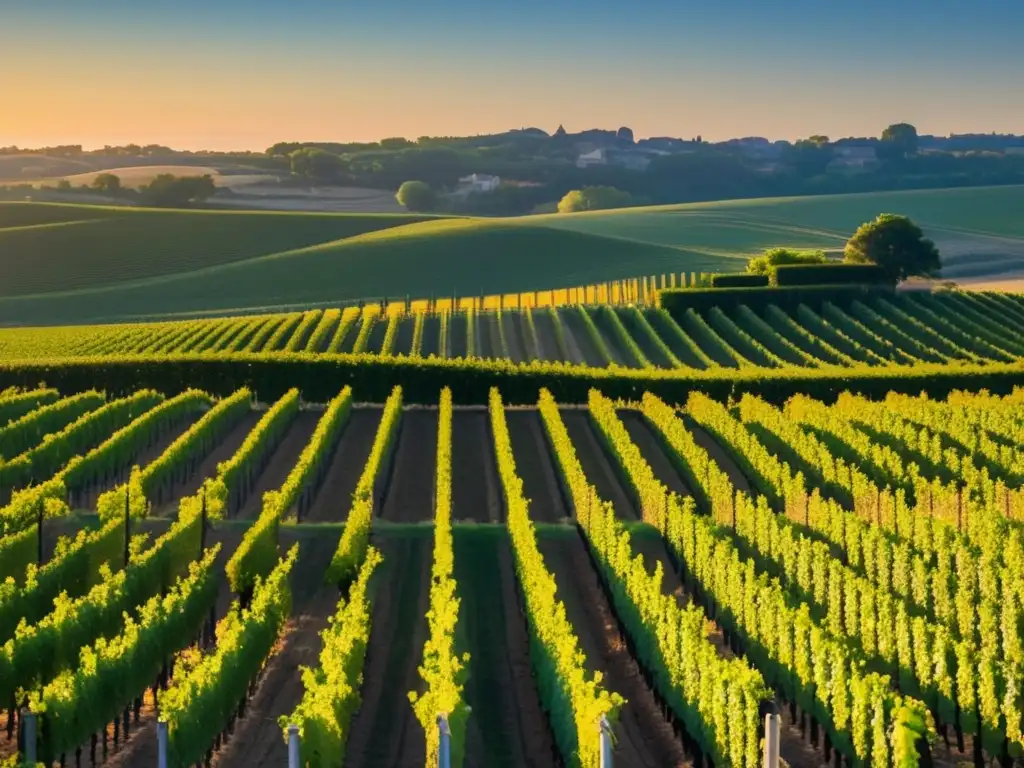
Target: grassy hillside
979,230
71,264
53,248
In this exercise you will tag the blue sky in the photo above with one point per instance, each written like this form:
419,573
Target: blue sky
226,73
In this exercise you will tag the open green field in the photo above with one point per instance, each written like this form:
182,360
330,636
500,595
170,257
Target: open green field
71,264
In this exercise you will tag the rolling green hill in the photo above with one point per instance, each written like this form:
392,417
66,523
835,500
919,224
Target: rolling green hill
72,263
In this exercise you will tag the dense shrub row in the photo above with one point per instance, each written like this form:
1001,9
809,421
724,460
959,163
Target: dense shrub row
787,296
320,376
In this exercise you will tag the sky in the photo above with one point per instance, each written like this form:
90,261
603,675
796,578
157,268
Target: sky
234,74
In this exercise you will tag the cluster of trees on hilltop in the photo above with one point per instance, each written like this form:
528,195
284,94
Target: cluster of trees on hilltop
677,170
893,243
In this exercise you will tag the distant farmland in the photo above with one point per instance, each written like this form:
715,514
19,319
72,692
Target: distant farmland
75,264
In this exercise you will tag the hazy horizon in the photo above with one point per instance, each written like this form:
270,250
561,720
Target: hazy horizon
243,76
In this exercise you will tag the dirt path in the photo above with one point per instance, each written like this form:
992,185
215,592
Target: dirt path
535,466
707,441
476,493
511,322
168,503
281,462
546,341
378,330
585,350
403,339
507,726
430,344
596,464
484,334
334,498
257,741
654,451
644,739
618,351
385,732
457,338
409,496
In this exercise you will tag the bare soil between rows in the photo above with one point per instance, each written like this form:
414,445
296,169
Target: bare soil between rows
334,498
224,450
403,339
431,341
476,494
536,466
597,465
385,732
577,337
409,496
258,740
512,323
281,462
644,739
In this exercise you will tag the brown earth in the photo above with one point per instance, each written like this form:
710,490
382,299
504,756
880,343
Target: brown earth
582,347
409,496
643,737
208,468
385,732
536,467
333,500
653,451
513,327
281,462
546,340
476,489
258,741
403,338
721,457
483,338
620,355
430,344
597,465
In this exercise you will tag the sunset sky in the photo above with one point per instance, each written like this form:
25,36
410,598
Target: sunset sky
222,74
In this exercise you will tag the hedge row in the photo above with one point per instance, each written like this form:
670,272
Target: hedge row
320,376
739,280
788,297
831,274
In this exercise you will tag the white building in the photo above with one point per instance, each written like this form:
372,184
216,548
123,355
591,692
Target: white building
479,182
597,157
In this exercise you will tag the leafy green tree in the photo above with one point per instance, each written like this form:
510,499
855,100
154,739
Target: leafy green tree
896,244
316,164
169,191
594,199
899,141
63,185
107,183
772,258
416,196
396,142
811,156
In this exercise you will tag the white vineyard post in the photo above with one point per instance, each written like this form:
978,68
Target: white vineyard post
161,744
771,741
294,757
29,720
444,744
606,743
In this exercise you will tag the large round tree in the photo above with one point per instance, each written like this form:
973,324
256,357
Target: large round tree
897,245
416,196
